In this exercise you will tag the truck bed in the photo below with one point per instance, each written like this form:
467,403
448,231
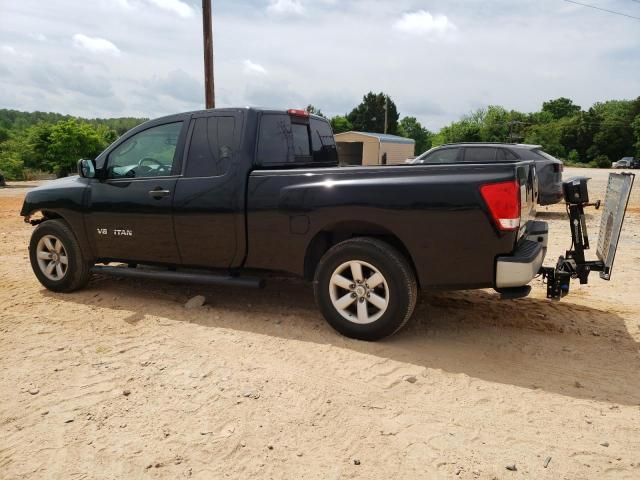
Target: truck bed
435,213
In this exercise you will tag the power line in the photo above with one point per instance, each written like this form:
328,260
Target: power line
604,9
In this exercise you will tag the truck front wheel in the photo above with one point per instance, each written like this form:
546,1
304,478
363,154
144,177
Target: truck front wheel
365,288
56,257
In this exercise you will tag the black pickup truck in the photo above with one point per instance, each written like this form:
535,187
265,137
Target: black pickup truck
220,196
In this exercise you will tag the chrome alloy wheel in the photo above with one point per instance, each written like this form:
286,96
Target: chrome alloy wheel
52,258
359,292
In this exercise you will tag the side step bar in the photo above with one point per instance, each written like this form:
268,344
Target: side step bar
181,277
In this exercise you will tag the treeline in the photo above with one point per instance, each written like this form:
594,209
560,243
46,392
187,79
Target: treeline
598,136
53,143
607,131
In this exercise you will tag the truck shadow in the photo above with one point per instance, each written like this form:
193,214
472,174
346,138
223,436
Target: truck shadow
531,343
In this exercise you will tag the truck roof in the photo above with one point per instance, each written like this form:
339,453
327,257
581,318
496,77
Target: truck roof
235,109
491,144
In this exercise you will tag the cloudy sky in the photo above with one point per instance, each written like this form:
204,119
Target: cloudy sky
437,59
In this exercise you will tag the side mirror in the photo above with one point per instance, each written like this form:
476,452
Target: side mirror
86,168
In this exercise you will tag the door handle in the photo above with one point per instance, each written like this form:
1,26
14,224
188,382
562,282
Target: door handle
159,193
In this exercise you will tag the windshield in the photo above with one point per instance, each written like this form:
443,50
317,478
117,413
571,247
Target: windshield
422,157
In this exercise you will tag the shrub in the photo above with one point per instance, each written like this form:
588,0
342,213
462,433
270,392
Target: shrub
602,161
11,166
573,157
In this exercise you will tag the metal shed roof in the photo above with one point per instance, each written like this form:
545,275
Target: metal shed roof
383,137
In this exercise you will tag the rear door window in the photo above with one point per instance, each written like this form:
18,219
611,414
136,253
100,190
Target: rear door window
211,147
480,154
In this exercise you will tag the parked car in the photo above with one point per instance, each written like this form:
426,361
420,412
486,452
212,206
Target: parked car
627,162
3,183
549,169
218,195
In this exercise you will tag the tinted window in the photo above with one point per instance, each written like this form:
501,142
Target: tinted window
480,154
504,154
275,142
323,143
446,155
282,142
300,139
149,153
211,146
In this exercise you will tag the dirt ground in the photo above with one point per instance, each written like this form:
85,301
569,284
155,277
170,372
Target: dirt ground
121,381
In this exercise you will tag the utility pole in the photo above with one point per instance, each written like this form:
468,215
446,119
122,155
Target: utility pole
386,113
207,33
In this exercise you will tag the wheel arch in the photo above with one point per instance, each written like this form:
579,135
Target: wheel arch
335,233
70,218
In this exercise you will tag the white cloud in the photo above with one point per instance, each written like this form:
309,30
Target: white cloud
251,68
38,36
305,54
286,7
422,22
176,6
95,44
8,49
124,4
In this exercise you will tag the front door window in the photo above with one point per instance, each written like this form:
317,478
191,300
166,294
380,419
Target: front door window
150,153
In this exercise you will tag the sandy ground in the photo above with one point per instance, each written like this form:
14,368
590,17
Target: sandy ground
121,381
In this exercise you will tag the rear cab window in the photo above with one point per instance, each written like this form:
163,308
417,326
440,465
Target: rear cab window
286,140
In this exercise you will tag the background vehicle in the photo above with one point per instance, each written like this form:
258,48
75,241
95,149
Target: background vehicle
213,195
626,162
3,183
548,168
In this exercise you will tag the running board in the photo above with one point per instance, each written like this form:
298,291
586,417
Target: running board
181,277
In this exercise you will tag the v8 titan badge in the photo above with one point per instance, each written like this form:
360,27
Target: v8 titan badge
115,232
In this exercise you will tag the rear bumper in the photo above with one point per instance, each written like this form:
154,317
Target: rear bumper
550,198
519,268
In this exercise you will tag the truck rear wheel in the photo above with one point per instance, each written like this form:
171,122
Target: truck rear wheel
365,288
56,257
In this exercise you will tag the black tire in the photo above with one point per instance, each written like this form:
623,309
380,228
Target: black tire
77,272
400,287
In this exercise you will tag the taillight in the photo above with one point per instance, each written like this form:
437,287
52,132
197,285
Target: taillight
503,201
558,167
294,112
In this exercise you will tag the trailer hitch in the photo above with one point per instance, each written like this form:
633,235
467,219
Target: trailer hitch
574,264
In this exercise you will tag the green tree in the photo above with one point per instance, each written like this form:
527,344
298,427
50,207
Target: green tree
410,127
369,115
71,140
560,108
573,157
614,136
548,135
635,125
468,129
340,124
